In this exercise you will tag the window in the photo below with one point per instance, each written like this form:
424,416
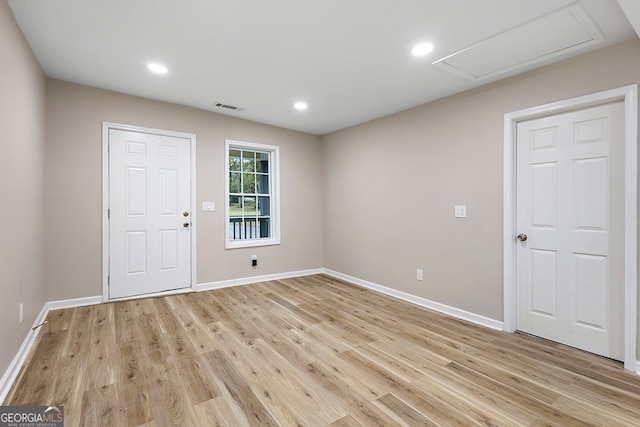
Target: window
252,187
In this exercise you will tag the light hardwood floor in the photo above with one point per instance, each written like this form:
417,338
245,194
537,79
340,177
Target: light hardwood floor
310,351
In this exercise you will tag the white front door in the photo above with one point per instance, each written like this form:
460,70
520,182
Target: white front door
570,207
149,211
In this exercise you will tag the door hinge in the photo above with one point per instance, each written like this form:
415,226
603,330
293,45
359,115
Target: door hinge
108,280
108,213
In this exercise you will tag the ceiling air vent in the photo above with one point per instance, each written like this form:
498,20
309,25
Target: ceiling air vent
227,106
557,33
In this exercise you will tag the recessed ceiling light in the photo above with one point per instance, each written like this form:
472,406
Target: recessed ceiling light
157,68
422,49
300,106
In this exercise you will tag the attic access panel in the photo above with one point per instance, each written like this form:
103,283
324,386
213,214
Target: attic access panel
557,33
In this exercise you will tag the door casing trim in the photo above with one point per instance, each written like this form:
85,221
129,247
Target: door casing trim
106,126
629,95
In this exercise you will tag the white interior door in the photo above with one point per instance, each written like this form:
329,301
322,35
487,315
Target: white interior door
149,212
570,259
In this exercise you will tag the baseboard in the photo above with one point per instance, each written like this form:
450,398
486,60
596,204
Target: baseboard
71,303
12,372
423,302
255,279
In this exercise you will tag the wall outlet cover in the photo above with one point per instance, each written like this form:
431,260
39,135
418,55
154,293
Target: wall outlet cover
461,211
208,206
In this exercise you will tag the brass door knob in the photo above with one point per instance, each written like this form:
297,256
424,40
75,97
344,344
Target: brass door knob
522,237
186,224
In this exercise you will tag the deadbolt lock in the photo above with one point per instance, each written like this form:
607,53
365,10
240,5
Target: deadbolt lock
185,213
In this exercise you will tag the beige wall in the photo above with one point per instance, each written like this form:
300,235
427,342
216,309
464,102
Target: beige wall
73,243
391,184
22,92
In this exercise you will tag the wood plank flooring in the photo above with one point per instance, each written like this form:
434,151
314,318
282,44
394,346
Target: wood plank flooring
312,351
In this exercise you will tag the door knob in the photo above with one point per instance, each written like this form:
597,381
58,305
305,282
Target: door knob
522,237
186,225
185,213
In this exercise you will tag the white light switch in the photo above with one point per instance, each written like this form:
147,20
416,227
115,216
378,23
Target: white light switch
461,211
209,206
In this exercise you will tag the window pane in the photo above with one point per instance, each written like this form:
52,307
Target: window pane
234,160
250,228
234,182
263,227
250,208
248,161
262,162
249,183
235,228
235,206
264,206
262,184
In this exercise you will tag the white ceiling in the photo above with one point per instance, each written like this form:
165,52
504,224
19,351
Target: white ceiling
349,60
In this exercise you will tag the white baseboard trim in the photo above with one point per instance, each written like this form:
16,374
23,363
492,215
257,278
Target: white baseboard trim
255,279
423,302
12,372
71,303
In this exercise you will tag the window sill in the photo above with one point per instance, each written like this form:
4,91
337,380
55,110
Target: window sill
251,243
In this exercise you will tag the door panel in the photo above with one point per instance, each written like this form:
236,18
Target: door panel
168,192
136,252
544,183
591,290
591,193
168,250
149,189
135,189
570,206
544,282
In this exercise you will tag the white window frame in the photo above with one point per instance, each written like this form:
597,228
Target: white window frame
274,175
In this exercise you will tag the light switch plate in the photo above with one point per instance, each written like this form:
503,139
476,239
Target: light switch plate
209,206
461,211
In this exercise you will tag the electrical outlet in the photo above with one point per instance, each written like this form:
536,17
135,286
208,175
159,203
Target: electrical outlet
254,260
418,274
21,312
